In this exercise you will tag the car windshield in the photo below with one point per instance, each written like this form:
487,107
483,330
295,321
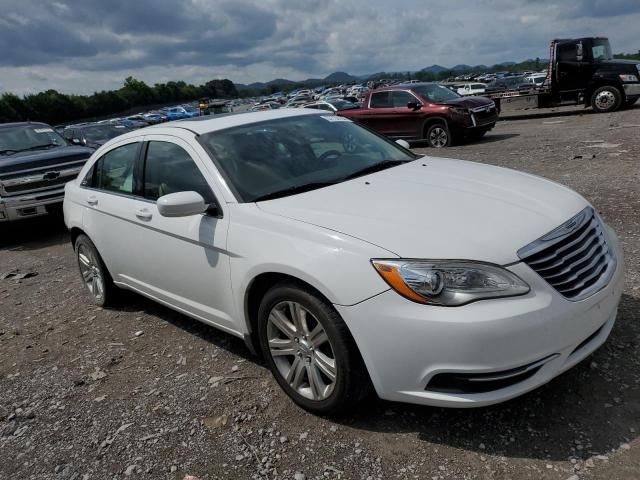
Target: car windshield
342,104
102,133
435,93
601,50
286,156
30,137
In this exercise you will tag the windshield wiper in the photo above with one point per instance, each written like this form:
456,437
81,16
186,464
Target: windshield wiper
39,147
374,168
292,190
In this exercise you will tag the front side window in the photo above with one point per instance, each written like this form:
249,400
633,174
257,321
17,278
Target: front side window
298,153
401,98
601,50
114,171
168,168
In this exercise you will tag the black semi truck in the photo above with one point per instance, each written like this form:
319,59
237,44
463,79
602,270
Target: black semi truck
582,71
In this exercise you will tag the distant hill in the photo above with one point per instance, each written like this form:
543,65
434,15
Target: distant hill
435,69
335,77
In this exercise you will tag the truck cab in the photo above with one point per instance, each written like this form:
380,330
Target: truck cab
583,70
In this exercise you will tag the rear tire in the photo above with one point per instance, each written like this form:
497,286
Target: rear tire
93,272
606,99
438,136
310,350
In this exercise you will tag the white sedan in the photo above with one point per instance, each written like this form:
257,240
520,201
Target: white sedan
347,261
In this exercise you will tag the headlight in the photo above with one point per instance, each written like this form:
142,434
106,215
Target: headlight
628,78
449,282
459,111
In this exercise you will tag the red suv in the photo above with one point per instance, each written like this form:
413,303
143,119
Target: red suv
425,111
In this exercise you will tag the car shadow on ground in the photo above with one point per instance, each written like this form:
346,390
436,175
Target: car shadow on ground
34,233
578,414
488,138
128,301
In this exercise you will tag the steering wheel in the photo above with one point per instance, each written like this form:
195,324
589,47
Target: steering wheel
328,154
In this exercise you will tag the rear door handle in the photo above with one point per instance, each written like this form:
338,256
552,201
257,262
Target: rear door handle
92,200
143,214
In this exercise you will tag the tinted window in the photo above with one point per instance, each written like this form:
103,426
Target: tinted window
567,52
114,171
381,100
169,169
400,99
435,93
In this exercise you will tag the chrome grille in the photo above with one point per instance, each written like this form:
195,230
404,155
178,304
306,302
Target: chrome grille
573,258
39,179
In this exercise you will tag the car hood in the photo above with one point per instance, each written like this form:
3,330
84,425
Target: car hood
468,102
438,208
43,158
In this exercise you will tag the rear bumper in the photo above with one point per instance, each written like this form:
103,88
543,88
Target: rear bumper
32,205
631,89
517,343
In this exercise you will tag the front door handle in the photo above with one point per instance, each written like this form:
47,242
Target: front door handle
92,200
143,214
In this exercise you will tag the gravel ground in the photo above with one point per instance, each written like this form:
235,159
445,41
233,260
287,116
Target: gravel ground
140,391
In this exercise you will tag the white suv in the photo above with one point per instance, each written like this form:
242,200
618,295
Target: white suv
348,261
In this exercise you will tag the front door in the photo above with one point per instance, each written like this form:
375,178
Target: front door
181,260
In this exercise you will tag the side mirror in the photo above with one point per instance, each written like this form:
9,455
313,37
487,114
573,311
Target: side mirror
414,106
181,204
579,51
403,143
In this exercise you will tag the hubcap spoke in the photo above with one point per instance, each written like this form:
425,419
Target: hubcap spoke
281,346
279,320
315,382
299,317
326,365
318,336
84,260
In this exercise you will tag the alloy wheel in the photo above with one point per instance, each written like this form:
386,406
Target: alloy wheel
90,271
301,350
605,100
438,137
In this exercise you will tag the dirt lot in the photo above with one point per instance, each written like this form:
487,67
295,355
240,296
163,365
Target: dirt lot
142,392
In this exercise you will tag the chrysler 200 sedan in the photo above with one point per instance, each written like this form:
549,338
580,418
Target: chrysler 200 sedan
349,262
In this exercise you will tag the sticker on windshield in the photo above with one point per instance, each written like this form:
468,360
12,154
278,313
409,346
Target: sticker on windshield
43,130
336,118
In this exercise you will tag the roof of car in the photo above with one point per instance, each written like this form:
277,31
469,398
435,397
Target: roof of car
212,123
21,124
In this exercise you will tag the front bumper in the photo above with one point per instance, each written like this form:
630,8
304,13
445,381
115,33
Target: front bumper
405,344
631,89
31,205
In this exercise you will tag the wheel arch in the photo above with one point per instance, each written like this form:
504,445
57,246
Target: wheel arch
255,291
603,82
431,121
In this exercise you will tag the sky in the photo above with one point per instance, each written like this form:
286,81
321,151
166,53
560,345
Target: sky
82,46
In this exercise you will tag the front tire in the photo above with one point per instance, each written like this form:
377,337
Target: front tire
93,272
606,99
438,136
310,351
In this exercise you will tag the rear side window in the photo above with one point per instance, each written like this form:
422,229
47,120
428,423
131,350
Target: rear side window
114,171
169,169
381,100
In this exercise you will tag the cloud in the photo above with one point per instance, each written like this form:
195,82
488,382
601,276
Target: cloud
85,45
